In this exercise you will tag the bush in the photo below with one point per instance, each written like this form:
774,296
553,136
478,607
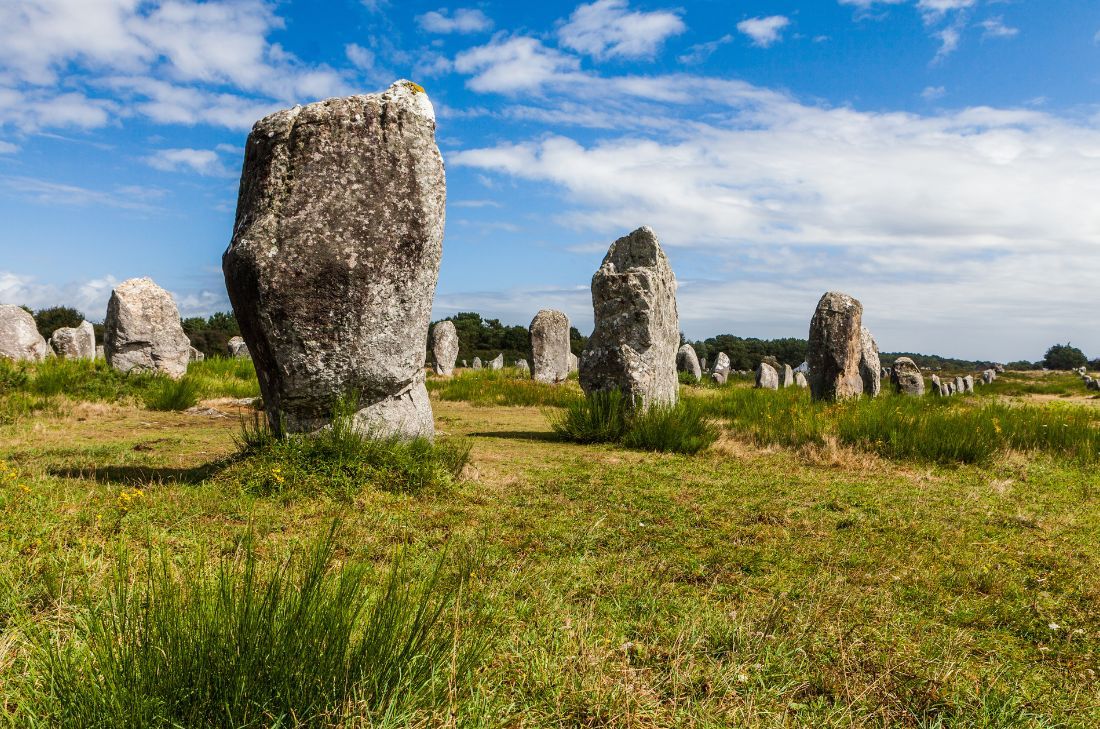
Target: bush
295,645
168,394
602,417
1064,357
13,376
49,320
598,418
340,460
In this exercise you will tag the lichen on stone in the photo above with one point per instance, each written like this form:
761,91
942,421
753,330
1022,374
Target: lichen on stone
415,87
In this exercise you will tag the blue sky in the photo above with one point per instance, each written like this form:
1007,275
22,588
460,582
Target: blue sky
937,159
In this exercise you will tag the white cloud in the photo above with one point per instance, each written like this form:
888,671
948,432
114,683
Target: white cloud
462,20
46,192
983,215
931,93
7,147
89,297
702,51
609,29
949,38
996,28
203,161
934,10
509,65
764,31
360,57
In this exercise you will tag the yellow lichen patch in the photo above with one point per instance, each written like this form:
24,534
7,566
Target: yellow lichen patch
415,87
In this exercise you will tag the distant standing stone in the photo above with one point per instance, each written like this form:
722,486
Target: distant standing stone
835,348
968,383
99,352
688,361
766,377
574,362
800,380
237,348
549,337
334,259
74,342
936,385
786,376
869,365
477,363
906,377
960,385
497,363
445,347
521,365
989,376
722,363
719,376
19,337
769,359
196,355
142,330
464,365
637,329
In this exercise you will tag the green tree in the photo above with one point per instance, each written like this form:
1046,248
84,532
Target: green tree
210,335
51,319
1064,357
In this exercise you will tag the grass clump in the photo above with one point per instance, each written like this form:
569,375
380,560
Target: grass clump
225,377
340,459
508,387
603,417
168,394
298,644
768,417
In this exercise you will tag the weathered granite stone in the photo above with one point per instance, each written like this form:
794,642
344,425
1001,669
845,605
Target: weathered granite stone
720,376
786,376
999,369
477,363
951,389
1094,385
464,365
989,376
497,363
195,355
906,377
522,366
100,353
766,377
237,348
835,348
334,259
869,365
549,336
142,331
574,362
445,347
19,337
633,346
937,385
960,386
688,361
800,380
968,383
74,342
722,363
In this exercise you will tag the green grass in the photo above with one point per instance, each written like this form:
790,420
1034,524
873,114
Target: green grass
299,644
340,461
1062,384
164,393
225,377
508,387
603,418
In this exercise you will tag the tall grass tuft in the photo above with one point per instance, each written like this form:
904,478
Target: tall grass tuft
225,377
340,459
603,417
168,394
768,417
509,387
299,644
598,418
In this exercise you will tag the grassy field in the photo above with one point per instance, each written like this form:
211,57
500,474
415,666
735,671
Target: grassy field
799,572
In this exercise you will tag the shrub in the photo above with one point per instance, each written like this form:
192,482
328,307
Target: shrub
294,645
340,460
681,428
168,394
598,418
13,376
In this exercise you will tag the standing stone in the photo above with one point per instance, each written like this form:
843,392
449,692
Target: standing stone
800,380
100,353
688,361
968,383
719,376
869,365
196,355
142,331
237,348
835,347
464,365
633,346
773,361
74,342
19,337
960,386
574,362
334,259
549,336
937,385
477,363
989,376
999,369
722,363
445,347
766,377
497,363
522,366
906,377
786,376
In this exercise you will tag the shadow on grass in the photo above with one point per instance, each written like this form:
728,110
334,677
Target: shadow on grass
138,475
547,436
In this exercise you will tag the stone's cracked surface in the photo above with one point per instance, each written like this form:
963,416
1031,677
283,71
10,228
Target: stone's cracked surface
19,337
444,347
637,328
74,342
142,330
834,348
334,259
549,336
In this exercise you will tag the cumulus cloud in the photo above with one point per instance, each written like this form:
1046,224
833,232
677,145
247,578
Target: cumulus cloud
513,64
764,32
702,51
89,296
609,29
462,20
934,10
48,192
996,28
931,93
201,161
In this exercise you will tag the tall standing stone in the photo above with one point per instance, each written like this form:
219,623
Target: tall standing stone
688,361
633,346
497,363
766,377
906,377
549,335
444,347
477,363
334,259
835,348
142,330
722,363
870,368
968,383
19,337
74,342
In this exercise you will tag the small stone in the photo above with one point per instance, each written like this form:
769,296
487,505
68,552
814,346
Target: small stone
74,342
19,337
800,380
766,377
521,365
574,362
687,361
722,363
237,348
968,383
870,369
196,355
497,363
445,347
786,376
477,363
719,376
